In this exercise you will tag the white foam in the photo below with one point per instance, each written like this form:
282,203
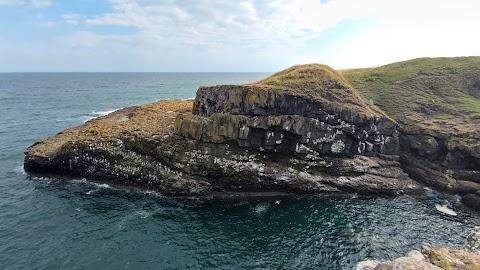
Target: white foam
102,113
143,214
96,114
261,208
151,192
20,170
42,178
83,180
98,186
444,209
102,185
457,198
187,99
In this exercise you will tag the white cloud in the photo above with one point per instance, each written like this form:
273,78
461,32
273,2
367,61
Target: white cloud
91,39
34,3
410,29
41,3
11,2
285,30
242,23
49,24
256,35
73,19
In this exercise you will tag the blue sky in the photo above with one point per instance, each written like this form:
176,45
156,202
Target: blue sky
214,35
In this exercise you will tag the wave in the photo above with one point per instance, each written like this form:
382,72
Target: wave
20,170
96,114
261,208
187,99
87,116
102,185
98,188
80,181
151,193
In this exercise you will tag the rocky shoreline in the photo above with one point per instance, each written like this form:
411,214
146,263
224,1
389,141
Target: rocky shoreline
140,155
304,130
434,258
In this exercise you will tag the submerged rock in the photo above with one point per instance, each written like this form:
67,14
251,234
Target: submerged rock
303,130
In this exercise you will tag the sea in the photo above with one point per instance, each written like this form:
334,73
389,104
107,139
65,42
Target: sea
56,224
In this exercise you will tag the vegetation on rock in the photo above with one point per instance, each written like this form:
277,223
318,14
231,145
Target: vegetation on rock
319,82
308,128
436,101
432,94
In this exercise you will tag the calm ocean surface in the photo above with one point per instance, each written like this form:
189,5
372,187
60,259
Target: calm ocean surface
52,224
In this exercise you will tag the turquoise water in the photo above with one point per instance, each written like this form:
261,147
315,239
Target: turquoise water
52,224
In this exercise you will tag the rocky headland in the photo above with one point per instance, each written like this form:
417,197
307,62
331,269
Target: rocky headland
307,129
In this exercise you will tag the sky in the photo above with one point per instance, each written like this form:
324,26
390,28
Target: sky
230,36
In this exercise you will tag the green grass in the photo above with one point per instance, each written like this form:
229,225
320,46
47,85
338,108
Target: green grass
434,93
322,83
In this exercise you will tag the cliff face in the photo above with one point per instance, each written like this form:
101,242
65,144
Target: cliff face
437,105
272,136
443,161
278,121
303,130
289,118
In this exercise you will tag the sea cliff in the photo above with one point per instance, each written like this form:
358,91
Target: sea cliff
307,129
436,102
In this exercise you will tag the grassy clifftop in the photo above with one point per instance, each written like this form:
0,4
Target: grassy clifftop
321,83
436,94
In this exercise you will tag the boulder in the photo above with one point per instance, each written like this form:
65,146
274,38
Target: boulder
435,258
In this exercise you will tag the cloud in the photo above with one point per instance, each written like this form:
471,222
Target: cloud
252,35
73,19
231,23
410,29
92,39
41,3
34,3
11,2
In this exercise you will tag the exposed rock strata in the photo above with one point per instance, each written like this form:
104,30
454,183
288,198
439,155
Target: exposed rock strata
141,156
436,102
252,138
434,258
447,163
283,122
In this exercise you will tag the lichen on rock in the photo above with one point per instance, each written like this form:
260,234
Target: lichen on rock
436,102
304,130
431,257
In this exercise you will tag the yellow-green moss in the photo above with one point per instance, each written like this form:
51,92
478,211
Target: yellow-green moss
153,120
318,82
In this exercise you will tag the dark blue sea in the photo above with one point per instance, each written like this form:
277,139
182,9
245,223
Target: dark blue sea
54,224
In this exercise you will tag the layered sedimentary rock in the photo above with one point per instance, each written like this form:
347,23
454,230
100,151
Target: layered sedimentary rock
322,114
303,130
446,162
436,102
279,121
